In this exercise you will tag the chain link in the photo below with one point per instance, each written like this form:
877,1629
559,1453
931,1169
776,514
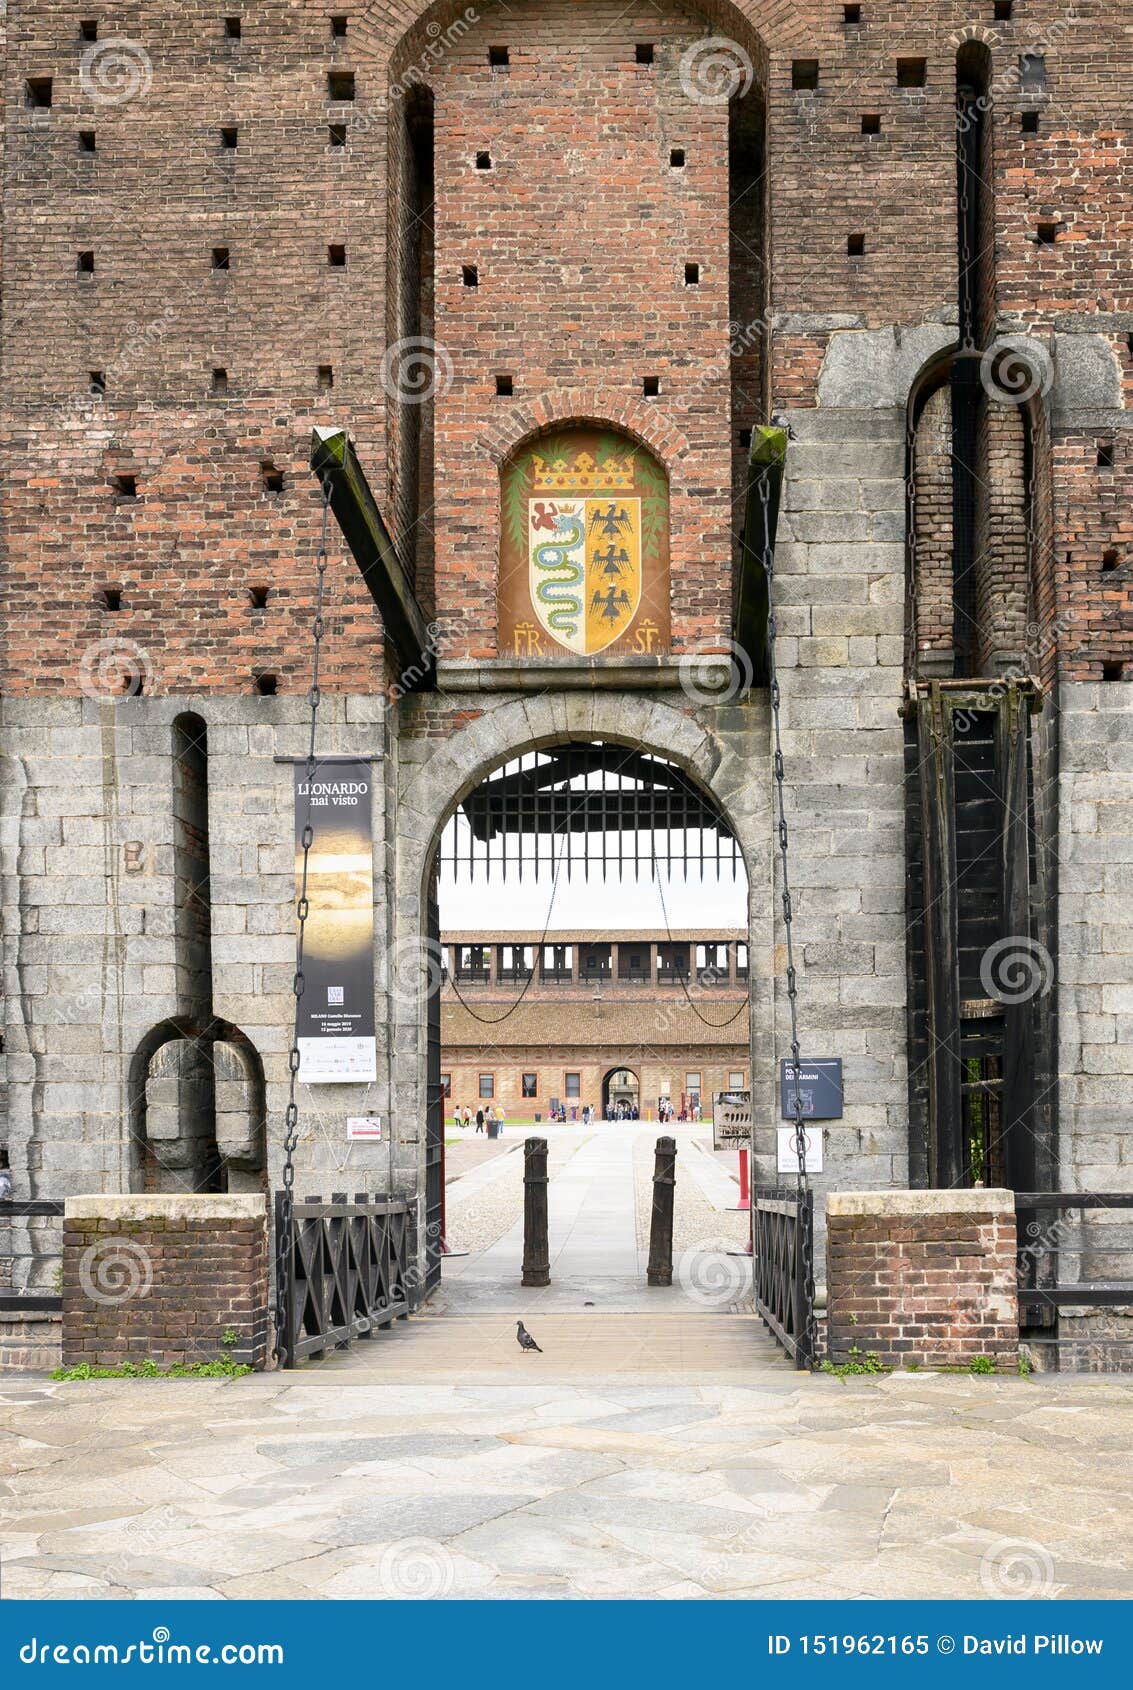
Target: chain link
802,1178
286,1227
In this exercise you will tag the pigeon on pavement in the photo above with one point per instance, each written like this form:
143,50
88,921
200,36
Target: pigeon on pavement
524,1339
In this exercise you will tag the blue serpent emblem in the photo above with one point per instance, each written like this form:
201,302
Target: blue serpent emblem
562,590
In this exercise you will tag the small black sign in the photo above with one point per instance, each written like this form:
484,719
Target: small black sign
820,1085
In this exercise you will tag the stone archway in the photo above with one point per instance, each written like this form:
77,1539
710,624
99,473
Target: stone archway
437,773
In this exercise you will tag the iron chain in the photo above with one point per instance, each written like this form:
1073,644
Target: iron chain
286,1227
802,1178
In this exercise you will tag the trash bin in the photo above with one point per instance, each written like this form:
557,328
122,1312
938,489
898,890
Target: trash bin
493,1129
538,1116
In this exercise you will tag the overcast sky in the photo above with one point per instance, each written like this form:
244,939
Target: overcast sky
513,905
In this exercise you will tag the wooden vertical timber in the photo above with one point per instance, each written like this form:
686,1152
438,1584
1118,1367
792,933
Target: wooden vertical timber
942,965
1015,928
660,1269
536,1237
751,608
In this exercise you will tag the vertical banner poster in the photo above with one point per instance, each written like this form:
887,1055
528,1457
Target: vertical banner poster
336,1011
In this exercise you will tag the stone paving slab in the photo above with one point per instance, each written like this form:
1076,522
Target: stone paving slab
513,1477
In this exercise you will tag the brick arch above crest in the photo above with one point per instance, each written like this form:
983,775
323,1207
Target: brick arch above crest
640,419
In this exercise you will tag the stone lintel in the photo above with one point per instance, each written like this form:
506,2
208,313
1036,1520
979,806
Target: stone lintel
169,1206
897,1205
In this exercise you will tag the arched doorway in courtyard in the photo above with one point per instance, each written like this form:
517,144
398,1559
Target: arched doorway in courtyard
621,1095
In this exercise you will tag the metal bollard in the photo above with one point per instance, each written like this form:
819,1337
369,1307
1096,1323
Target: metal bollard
660,1270
536,1238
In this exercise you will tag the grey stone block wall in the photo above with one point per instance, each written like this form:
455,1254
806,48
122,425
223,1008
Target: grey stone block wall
840,576
1095,937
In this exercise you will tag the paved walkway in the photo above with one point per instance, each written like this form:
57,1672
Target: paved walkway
659,1446
490,1474
599,1201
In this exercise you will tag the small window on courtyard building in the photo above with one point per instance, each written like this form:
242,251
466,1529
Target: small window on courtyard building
487,1085
530,1085
572,1086
446,1085
736,1079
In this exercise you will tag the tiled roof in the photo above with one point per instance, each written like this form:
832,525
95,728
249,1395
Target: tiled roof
589,936
643,1023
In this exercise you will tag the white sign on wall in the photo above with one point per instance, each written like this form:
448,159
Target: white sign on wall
364,1127
787,1161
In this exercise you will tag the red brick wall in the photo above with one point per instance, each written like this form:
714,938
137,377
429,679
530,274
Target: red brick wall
163,1279
922,1276
551,1064
581,229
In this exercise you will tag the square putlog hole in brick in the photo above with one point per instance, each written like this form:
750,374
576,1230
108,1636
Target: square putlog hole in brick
96,383
505,387
336,256
871,123
88,29
804,73
483,161
267,684
221,258
855,244
676,158
228,139
1112,670
1029,122
692,275
336,135
271,479
912,73
1001,11
219,383
109,598
1046,234
233,29
470,275
1110,560
1105,454
651,387
88,142
324,377
338,27
258,597
643,53
125,485
84,263
340,84
499,58
37,93
851,14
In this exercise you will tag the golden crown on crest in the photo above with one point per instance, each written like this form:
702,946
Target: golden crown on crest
582,475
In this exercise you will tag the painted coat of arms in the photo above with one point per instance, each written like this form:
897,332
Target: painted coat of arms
584,556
